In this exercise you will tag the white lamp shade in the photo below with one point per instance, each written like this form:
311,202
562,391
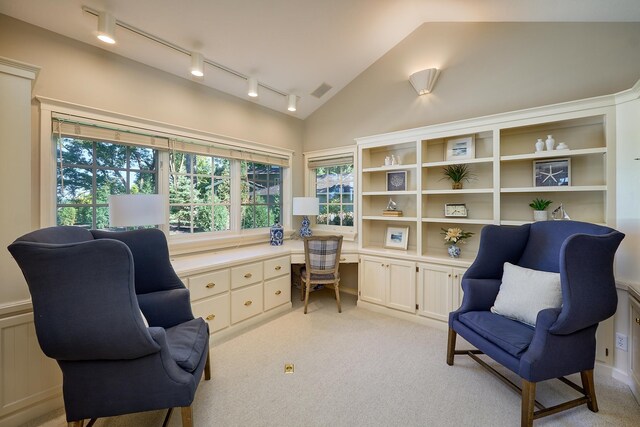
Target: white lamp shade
423,81
129,210
306,206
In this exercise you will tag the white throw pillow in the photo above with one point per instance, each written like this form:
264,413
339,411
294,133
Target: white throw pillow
524,292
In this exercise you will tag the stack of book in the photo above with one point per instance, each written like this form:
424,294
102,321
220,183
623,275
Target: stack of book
388,212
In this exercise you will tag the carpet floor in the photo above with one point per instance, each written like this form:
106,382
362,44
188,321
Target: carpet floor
361,368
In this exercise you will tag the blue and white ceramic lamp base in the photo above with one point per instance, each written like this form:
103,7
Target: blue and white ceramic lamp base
305,231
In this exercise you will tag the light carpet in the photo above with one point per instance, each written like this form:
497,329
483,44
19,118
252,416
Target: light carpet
361,368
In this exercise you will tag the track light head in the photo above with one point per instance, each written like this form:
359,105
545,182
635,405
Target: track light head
252,84
292,102
197,64
106,27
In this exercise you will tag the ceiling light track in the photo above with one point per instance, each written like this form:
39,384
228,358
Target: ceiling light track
182,50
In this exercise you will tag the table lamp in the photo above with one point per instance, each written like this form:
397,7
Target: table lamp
131,210
306,206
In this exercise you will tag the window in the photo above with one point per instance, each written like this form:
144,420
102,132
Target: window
261,194
199,193
335,190
89,171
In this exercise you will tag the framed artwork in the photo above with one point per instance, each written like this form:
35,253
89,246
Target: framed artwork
397,181
552,173
461,148
455,210
396,238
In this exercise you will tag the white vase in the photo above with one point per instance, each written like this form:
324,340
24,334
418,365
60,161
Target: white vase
540,215
387,161
539,145
551,143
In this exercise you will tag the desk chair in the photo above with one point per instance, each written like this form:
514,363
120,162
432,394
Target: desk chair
322,261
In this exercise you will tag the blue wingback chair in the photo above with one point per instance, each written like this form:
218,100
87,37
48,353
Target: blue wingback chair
88,290
563,340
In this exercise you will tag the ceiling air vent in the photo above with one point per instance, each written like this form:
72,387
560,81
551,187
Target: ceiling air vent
321,90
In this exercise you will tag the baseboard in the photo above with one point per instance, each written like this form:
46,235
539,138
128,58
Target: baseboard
25,416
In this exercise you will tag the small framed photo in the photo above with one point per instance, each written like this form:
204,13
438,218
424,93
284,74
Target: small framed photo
397,181
552,173
461,148
396,238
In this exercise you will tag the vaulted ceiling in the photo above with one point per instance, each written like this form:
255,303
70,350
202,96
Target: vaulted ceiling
293,46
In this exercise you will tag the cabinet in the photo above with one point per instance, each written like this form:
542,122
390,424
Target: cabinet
229,296
388,282
439,290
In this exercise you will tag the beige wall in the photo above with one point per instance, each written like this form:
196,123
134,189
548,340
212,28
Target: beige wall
487,68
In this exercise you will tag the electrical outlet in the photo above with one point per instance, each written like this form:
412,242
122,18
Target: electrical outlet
621,342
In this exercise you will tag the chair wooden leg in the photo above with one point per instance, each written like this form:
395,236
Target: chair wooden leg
306,297
336,287
207,368
589,389
78,423
528,403
451,346
302,286
187,416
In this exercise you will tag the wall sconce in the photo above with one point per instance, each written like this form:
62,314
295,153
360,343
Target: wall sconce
423,81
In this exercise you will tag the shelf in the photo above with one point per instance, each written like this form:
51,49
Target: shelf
389,193
555,153
389,218
570,188
462,191
389,168
457,162
531,222
459,220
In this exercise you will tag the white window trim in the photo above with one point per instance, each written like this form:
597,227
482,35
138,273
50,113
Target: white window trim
349,233
177,244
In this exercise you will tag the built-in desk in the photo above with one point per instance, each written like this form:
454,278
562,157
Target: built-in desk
235,288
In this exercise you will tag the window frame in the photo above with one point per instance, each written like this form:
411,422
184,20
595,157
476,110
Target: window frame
349,232
178,244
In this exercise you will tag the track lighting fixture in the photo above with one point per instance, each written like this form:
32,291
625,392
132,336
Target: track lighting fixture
197,64
252,84
106,27
292,101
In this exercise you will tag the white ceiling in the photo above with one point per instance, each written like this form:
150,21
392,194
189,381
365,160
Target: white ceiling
291,45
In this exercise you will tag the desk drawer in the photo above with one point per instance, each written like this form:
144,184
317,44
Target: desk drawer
215,311
349,258
246,275
209,284
277,292
246,303
277,267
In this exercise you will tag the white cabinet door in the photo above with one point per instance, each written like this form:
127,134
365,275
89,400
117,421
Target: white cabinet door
373,279
435,291
457,288
401,287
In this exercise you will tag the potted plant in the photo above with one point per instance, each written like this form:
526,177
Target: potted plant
453,237
457,173
539,207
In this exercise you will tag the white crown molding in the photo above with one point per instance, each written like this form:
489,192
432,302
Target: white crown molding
17,68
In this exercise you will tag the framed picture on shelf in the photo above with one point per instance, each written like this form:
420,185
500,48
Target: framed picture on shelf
461,148
552,173
396,238
397,181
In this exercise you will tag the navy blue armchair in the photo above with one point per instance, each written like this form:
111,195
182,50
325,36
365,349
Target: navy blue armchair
562,342
92,292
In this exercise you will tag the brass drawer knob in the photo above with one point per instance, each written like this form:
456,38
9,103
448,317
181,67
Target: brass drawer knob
279,292
342,259
638,320
248,303
210,285
211,317
247,276
278,268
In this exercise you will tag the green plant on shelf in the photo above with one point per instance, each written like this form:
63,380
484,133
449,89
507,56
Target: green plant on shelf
458,173
539,204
